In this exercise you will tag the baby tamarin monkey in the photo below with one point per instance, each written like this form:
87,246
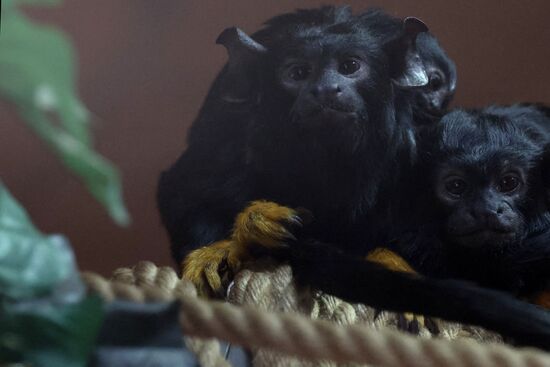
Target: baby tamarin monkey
483,200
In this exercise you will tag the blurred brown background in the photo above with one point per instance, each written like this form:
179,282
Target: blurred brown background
145,67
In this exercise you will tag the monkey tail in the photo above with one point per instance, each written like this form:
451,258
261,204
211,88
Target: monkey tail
326,268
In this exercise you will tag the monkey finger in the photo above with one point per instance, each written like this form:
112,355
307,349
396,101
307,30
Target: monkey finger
413,323
409,326
414,327
213,279
421,321
432,326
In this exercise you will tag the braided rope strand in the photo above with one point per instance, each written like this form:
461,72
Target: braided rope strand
299,336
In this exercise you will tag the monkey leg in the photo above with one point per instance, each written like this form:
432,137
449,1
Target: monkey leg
211,268
389,260
407,321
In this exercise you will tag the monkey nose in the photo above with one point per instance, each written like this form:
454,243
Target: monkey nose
495,219
485,215
323,92
435,104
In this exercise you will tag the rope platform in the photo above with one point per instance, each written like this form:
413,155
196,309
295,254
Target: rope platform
284,326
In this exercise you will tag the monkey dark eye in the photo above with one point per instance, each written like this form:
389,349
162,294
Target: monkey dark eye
508,183
436,81
299,72
348,66
456,186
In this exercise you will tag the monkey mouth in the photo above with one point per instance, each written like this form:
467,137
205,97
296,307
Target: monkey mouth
338,107
485,237
427,115
331,112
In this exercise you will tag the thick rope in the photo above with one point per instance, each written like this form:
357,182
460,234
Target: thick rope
147,283
299,336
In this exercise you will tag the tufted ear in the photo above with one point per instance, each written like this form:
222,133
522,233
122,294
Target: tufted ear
243,52
406,67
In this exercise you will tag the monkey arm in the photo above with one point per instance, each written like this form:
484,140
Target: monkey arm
531,264
198,201
262,224
326,268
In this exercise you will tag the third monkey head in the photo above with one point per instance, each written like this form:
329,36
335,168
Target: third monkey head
433,99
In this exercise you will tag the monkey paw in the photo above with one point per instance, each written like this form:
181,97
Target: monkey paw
267,224
412,323
211,268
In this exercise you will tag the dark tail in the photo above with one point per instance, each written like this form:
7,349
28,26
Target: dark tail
326,268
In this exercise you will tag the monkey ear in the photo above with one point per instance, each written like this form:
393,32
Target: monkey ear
236,82
406,67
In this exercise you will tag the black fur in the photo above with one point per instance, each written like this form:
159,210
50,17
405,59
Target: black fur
243,151
479,142
432,101
341,155
473,140
327,268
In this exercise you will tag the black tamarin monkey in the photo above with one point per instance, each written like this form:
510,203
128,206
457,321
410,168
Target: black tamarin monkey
431,101
328,127
202,192
487,175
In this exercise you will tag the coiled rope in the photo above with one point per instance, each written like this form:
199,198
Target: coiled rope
297,335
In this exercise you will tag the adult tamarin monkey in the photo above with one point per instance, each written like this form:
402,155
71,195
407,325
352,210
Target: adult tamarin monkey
219,172
315,111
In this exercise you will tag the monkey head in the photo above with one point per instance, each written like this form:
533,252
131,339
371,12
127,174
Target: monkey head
433,99
325,68
344,73
486,178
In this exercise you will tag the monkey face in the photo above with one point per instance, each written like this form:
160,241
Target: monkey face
436,96
483,207
326,87
433,99
486,178
343,75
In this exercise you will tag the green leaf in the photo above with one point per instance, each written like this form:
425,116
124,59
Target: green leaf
101,178
48,333
37,74
10,6
30,262
37,2
46,319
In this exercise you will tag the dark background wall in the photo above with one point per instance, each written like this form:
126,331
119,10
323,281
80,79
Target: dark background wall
145,67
